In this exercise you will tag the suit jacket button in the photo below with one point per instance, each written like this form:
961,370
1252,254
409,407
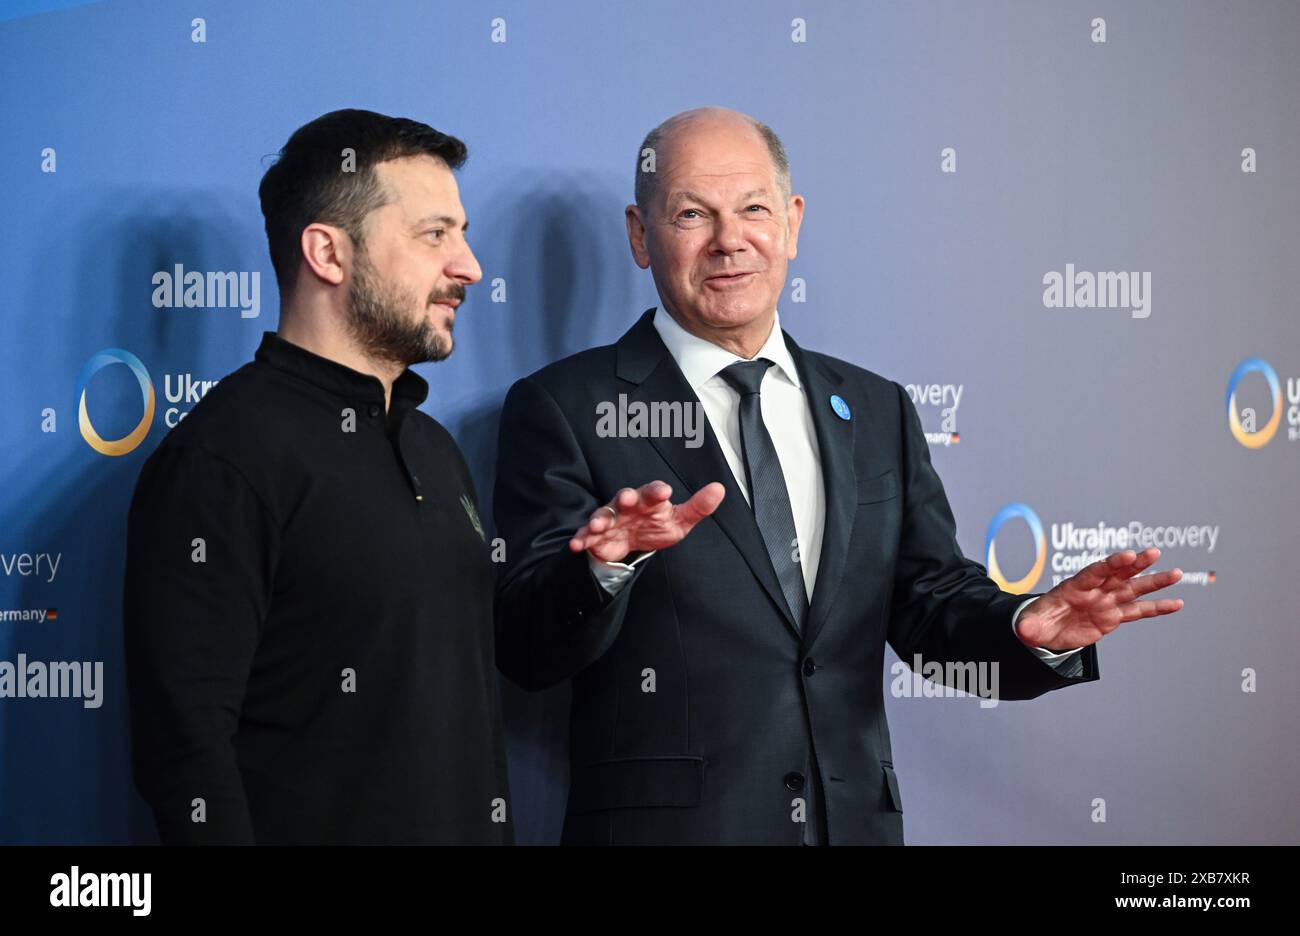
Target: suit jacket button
809,667
794,781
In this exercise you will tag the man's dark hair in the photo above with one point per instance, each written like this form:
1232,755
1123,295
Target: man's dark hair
308,182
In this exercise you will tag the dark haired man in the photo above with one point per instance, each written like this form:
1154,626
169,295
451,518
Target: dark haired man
308,602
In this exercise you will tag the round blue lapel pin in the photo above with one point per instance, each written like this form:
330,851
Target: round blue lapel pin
841,408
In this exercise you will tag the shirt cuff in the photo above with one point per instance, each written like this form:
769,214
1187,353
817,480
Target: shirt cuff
1041,652
612,576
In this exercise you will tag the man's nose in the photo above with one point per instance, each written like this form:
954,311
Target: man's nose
728,234
464,268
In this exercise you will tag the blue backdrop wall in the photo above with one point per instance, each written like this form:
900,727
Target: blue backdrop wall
955,157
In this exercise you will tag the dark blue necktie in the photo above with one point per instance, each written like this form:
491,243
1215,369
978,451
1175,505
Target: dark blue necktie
767,491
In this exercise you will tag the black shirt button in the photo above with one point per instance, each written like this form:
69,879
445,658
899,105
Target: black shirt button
809,667
374,409
794,781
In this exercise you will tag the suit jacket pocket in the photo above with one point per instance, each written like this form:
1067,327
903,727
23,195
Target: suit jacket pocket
882,487
621,783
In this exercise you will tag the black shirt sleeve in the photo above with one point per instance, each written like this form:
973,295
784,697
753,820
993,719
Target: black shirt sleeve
200,558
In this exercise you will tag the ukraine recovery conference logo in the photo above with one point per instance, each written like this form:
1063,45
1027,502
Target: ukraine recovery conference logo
1073,546
1026,513
1244,431
131,440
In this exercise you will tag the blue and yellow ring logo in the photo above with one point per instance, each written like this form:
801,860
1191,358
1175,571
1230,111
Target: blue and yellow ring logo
1260,437
1026,513
131,440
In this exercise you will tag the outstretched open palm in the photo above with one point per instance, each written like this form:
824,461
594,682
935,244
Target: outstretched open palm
1099,598
644,519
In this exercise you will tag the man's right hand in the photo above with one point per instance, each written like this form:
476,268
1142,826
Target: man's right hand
644,519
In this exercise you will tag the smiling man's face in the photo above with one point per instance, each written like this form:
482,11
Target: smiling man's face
415,264
719,231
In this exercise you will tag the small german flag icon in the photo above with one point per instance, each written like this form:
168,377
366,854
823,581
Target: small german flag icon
1210,577
52,614
956,437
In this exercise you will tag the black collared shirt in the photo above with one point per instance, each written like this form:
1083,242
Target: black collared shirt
308,614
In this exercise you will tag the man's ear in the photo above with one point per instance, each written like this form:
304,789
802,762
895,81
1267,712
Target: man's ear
636,236
794,221
327,251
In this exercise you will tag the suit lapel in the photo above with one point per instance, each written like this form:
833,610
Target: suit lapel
645,362
835,439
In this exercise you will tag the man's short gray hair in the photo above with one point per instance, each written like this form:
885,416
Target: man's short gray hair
647,182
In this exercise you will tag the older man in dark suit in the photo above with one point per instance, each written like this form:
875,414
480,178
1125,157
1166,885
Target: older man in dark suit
728,685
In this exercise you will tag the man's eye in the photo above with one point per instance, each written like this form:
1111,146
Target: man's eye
689,211
437,235
759,207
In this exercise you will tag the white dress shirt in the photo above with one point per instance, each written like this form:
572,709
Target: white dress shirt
788,419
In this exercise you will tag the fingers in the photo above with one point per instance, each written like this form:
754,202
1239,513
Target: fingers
1137,610
601,519
1116,566
656,492
1145,584
627,500
1096,574
702,503
588,537
1119,577
578,543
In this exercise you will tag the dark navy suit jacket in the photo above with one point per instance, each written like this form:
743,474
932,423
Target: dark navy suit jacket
742,702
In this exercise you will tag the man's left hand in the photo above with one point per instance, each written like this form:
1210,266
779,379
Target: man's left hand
1090,604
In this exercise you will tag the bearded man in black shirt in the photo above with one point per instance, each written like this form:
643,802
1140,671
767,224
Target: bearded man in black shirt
308,603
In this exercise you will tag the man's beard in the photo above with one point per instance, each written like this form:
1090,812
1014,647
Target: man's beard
390,323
